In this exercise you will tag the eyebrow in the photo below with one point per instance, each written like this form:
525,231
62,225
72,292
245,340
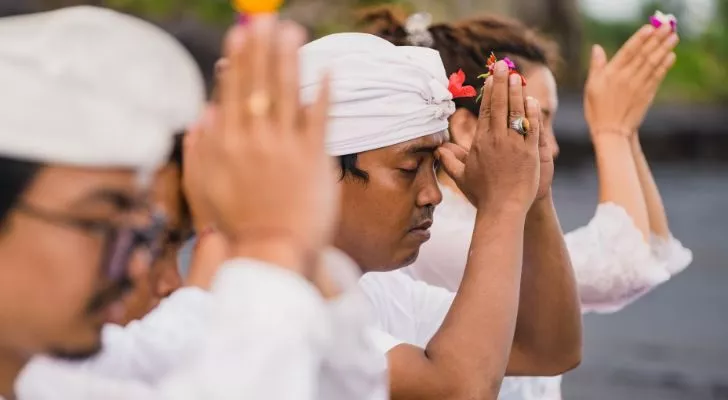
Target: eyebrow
546,113
116,198
420,149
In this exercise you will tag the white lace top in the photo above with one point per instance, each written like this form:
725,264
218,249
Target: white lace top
614,266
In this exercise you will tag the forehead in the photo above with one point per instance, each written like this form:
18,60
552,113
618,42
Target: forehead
56,185
425,144
542,86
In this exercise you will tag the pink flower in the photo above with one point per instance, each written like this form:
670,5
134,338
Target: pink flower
455,86
660,18
511,65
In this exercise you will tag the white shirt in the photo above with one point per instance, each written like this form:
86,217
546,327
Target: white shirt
269,335
406,311
613,264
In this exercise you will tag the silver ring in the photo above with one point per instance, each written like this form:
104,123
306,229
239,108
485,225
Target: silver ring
520,125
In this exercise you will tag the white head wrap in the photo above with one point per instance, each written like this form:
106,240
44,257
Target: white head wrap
381,94
87,86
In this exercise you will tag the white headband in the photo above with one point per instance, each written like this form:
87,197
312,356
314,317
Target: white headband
381,94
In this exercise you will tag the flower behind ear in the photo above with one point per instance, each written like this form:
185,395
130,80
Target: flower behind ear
456,87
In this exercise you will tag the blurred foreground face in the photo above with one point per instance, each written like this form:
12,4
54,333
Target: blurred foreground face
386,218
58,281
163,278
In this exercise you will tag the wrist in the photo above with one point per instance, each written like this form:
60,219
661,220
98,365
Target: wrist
509,210
610,131
611,141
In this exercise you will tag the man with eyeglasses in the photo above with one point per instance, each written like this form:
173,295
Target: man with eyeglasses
89,102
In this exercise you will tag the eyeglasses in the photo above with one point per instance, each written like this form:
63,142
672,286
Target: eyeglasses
120,241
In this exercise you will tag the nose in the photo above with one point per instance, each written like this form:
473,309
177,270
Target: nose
429,193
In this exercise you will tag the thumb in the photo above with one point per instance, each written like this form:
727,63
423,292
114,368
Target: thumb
598,59
450,163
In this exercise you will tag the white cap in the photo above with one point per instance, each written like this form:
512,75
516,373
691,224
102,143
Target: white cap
381,94
87,86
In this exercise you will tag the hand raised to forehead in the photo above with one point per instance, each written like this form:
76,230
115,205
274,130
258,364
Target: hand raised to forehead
267,174
501,169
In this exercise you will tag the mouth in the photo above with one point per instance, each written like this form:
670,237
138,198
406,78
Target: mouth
422,230
114,313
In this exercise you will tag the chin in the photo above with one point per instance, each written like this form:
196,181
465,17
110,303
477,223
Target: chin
78,346
402,261
77,353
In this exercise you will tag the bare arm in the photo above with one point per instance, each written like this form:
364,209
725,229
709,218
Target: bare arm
618,179
471,348
655,209
468,356
548,331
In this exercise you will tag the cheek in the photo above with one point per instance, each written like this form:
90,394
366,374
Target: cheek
375,217
49,275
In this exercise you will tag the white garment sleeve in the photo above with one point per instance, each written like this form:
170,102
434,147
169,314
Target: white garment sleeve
148,349
266,338
613,263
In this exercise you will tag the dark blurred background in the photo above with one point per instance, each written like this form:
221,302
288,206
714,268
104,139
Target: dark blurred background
673,344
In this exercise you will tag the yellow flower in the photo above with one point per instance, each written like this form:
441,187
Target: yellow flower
257,6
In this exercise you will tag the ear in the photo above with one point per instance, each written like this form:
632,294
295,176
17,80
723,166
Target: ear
463,125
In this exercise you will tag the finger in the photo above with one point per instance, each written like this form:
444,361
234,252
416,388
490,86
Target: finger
317,115
220,67
233,79
516,104
450,163
484,112
499,100
543,142
656,58
598,60
663,68
261,59
459,151
632,46
533,111
652,52
290,40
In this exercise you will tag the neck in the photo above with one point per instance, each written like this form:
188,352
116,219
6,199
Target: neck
11,363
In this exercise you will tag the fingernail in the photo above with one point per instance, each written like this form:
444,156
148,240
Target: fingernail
673,39
514,80
531,102
489,80
501,66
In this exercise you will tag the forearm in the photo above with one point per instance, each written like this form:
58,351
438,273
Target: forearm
618,180
474,341
548,330
653,201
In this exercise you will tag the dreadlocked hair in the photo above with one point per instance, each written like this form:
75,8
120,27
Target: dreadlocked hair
466,44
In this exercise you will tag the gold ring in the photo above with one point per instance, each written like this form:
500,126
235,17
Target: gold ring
259,103
520,125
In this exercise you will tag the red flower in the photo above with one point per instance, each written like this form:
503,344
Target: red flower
456,87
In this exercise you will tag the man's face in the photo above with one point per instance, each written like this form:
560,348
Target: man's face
386,219
163,277
54,295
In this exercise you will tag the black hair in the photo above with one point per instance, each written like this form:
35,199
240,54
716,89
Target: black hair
15,177
467,44
348,167
177,159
